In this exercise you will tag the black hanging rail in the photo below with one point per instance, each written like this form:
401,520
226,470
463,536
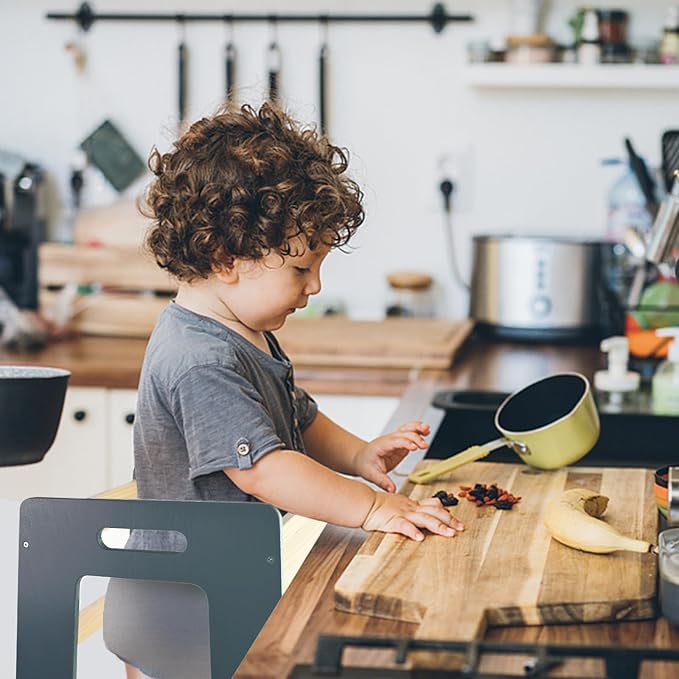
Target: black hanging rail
438,18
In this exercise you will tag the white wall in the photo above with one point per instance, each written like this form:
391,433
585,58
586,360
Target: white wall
527,160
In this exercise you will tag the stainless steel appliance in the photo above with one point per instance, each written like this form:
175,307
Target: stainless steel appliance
536,287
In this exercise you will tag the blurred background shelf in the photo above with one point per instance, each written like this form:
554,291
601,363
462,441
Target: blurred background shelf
574,76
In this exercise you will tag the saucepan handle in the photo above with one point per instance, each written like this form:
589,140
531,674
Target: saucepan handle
450,463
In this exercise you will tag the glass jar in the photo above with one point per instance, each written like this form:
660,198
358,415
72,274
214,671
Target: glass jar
478,51
410,294
613,26
616,53
529,49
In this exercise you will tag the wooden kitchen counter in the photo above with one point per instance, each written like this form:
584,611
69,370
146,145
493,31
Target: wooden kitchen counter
93,361
115,362
336,355
307,608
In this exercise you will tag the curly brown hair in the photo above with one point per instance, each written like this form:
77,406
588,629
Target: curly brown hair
241,184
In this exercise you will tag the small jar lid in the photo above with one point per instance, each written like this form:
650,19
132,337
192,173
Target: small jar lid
409,280
533,40
612,14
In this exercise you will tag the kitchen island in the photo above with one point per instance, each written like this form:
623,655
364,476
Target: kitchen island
307,609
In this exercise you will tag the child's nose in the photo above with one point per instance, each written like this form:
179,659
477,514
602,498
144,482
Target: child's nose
313,286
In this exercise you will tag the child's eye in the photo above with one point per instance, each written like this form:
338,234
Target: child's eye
302,270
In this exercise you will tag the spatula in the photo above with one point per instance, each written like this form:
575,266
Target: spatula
471,454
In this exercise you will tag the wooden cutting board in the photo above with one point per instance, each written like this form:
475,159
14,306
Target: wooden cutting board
391,343
504,569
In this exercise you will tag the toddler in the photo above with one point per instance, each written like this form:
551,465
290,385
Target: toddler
246,207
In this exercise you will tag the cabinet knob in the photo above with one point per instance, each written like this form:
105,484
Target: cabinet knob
79,415
129,418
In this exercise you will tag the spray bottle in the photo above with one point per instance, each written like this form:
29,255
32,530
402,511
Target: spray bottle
665,384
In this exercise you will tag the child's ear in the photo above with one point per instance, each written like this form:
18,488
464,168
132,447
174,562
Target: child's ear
226,275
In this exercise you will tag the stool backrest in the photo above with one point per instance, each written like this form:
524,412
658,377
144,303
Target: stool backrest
233,554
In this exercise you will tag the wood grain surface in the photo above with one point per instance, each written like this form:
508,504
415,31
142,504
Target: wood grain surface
308,608
115,362
504,569
392,343
123,267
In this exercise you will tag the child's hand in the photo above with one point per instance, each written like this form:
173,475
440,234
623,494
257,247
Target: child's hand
382,454
400,514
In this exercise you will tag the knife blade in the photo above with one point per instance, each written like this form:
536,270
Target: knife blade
646,183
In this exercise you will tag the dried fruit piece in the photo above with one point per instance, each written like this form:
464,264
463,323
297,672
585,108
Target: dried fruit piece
446,499
485,495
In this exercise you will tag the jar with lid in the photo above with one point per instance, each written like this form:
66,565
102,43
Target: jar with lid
613,36
613,26
410,294
529,49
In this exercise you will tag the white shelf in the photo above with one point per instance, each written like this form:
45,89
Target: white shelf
574,76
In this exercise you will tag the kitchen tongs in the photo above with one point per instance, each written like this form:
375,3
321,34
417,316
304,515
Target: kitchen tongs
471,454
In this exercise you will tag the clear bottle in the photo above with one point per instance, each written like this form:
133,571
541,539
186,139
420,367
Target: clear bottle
665,384
669,44
626,205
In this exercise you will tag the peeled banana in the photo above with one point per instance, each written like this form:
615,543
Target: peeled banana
573,519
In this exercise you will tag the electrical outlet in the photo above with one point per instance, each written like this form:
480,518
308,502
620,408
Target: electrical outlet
456,164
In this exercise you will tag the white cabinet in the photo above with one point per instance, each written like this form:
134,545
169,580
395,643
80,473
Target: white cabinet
75,466
121,409
364,416
92,451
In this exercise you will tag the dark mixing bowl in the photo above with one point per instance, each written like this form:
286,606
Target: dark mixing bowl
31,401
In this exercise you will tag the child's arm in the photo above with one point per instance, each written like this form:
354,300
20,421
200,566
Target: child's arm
296,483
333,446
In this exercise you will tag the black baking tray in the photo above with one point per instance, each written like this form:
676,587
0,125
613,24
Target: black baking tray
626,439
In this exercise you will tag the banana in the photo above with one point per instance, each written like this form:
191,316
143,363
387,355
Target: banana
573,519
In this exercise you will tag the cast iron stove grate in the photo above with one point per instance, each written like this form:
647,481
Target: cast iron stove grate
620,663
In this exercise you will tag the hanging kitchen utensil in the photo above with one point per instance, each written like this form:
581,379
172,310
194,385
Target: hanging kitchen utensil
670,156
110,152
230,65
274,62
322,79
182,63
550,423
644,179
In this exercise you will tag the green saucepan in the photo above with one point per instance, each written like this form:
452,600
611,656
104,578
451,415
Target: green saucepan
550,423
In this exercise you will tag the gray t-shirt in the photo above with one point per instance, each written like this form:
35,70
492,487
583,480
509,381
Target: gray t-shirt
209,399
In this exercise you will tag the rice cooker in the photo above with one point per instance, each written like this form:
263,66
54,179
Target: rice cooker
536,287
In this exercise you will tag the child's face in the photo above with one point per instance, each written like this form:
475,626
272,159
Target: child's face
266,292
